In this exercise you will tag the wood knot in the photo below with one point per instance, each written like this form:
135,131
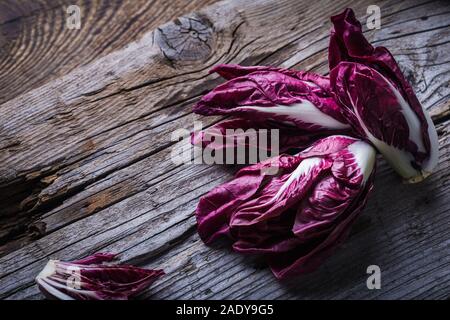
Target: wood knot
186,39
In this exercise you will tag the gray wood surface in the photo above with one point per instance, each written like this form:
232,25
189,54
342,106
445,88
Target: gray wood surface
37,47
85,158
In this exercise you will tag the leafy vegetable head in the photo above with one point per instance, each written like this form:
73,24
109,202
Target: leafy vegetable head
298,104
379,102
231,71
287,98
298,217
90,279
262,137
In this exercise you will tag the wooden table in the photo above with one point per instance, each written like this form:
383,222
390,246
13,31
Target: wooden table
85,142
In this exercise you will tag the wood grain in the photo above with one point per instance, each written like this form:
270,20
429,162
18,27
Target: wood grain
86,158
36,46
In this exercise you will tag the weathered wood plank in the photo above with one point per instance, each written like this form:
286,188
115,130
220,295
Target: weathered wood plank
37,47
114,188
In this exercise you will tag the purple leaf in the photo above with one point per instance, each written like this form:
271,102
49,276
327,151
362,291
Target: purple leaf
297,99
90,279
228,135
230,71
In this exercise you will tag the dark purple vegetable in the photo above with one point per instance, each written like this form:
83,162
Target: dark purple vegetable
90,279
231,71
379,102
229,134
286,98
298,217
298,104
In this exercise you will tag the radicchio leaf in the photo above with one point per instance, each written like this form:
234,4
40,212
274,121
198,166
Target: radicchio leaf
283,96
379,102
231,71
298,217
258,135
90,279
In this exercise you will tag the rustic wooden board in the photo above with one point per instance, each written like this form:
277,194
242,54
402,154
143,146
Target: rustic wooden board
36,47
85,156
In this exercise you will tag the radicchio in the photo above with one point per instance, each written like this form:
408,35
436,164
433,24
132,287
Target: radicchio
275,94
379,102
299,104
254,136
298,217
90,279
231,71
